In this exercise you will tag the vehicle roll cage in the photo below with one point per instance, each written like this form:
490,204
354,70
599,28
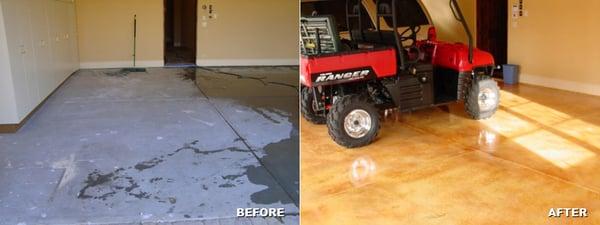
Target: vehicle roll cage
354,10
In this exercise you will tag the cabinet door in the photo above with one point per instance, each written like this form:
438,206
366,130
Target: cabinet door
57,43
18,31
44,72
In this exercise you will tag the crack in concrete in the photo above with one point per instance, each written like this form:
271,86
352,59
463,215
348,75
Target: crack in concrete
259,79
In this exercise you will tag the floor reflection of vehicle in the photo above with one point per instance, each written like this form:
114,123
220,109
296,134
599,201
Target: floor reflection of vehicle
487,138
362,170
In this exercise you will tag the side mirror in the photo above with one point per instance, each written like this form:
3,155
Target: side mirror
432,34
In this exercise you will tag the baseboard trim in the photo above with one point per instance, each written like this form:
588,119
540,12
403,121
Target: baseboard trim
14,128
9,128
574,86
247,62
199,62
121,64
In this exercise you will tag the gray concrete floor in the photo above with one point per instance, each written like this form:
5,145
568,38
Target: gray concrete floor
172,146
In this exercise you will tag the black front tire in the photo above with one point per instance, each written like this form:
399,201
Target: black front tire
307,107
474,108
337,116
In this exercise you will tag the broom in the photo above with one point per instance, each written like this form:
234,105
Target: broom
134,69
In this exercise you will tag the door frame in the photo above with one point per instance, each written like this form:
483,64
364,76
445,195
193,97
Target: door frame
195,24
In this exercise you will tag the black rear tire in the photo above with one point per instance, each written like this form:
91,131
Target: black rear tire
476,97
336,121
307,107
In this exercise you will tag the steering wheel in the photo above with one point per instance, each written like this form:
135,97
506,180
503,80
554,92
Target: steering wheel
410,34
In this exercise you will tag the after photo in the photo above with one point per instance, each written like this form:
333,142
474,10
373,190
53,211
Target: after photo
149,112
449,112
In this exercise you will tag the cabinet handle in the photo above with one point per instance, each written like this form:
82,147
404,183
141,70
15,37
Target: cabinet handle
22,48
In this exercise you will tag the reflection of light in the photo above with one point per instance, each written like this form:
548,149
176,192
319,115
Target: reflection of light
554,148
540,114
487,137
508,125
510,99
362,169
544,131
581,130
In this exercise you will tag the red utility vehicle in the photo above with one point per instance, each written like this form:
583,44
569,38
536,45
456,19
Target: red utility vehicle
347,82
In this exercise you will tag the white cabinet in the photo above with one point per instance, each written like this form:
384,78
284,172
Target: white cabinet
42,48
18,35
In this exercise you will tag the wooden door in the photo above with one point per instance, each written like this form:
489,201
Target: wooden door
492,28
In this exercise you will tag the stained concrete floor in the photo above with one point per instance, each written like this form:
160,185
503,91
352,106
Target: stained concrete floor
436,166
172,146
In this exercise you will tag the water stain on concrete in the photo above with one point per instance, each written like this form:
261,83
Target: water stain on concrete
156,179
256,175
233,177
148,164
188,74
227,185
265,115
101,186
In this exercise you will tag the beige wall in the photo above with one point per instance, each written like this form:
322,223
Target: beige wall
448,28
557,44
106,32
257,32
248,32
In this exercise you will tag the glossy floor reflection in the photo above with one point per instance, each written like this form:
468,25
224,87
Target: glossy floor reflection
436,166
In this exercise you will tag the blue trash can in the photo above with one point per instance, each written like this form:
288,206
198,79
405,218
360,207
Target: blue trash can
511,73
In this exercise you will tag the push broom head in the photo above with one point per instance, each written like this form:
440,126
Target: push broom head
133,70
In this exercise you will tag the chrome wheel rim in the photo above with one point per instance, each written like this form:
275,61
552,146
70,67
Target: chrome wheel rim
487,99
357,123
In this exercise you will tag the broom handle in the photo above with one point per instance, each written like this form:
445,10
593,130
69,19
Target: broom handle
134,38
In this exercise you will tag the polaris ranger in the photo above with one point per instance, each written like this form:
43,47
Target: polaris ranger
347,82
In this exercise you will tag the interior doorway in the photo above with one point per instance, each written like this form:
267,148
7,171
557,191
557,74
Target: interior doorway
492,28
180,32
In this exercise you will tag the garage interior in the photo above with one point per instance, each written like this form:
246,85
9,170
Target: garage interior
188,141
438,166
